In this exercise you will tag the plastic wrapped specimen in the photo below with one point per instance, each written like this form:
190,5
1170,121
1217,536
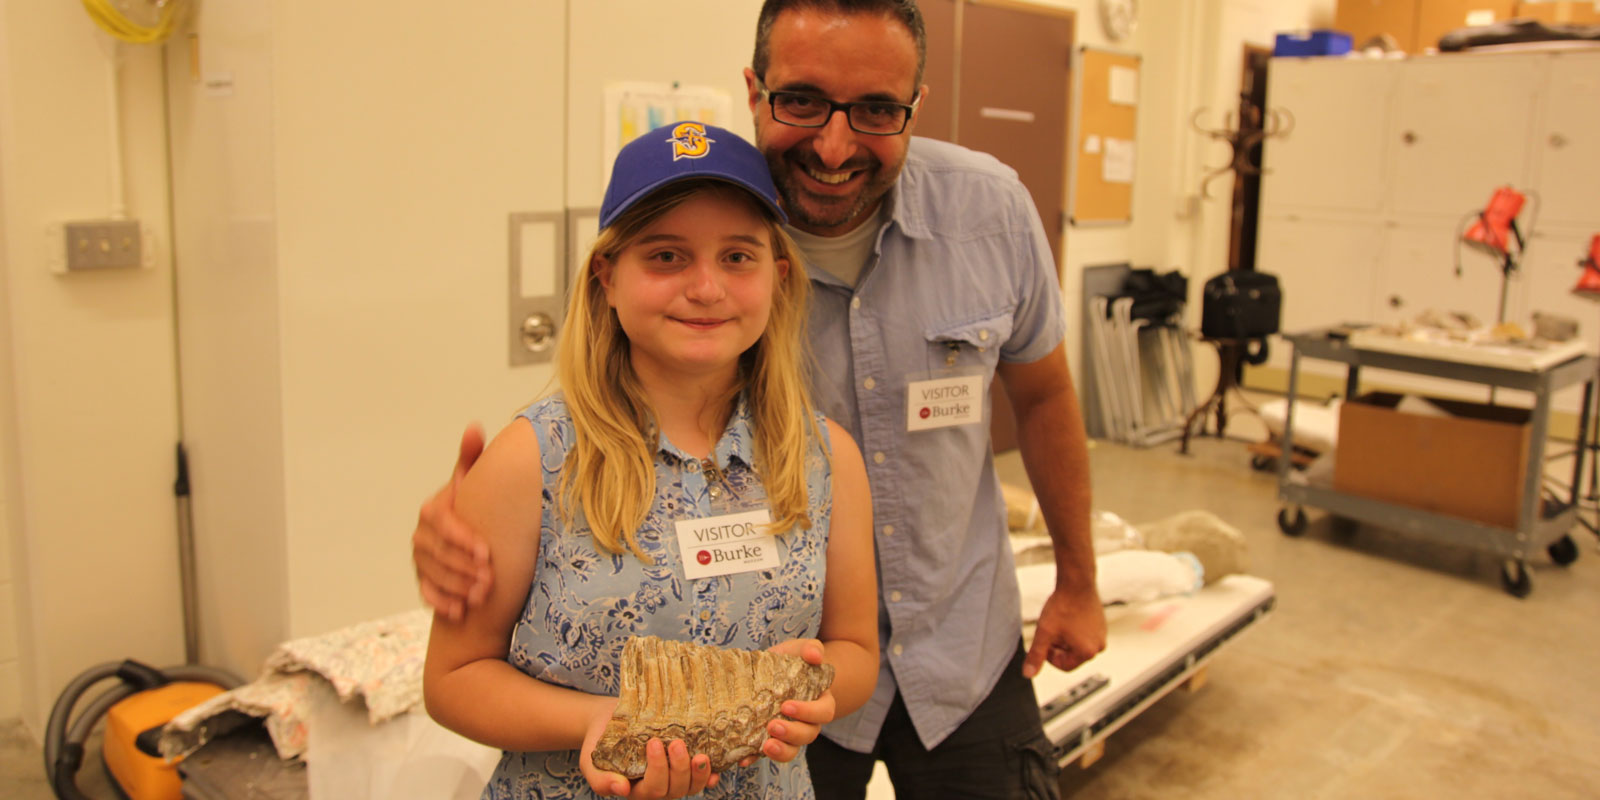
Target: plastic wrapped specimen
718,701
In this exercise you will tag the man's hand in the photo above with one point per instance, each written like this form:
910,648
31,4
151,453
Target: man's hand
452,561
1071,630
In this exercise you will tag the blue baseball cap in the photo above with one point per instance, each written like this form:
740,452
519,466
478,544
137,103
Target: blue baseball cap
681,151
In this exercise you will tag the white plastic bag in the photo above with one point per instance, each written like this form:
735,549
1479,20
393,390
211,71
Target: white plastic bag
1111,533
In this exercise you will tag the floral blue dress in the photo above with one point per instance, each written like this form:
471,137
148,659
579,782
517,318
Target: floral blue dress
584,603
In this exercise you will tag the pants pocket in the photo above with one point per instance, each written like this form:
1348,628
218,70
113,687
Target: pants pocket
1033,759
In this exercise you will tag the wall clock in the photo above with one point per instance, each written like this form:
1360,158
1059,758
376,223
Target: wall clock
1119,18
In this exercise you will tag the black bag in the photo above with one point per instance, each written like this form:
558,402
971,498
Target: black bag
1156,297
1241,304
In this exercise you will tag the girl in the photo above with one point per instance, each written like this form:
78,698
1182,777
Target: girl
682,413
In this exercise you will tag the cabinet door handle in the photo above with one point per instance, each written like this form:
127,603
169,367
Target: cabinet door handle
1558,141
1410,137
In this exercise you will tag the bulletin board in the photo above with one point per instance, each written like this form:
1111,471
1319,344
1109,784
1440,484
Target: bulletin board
1104,153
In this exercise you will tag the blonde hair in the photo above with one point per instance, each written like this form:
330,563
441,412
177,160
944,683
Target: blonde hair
610,470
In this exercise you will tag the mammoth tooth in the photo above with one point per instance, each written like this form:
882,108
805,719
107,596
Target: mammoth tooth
718,701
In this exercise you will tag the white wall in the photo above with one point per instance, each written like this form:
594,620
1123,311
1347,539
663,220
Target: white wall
1197,240
11,634
341,186
347,194
86,461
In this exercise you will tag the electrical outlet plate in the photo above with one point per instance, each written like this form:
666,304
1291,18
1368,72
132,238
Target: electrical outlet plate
97,244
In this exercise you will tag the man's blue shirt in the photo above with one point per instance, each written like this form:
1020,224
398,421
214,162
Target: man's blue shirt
961,279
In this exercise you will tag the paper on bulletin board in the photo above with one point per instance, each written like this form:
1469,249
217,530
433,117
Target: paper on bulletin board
1117,163
637,107
1124,88
1092,145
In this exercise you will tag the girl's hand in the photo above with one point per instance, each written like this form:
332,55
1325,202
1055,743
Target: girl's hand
669,771
803,726
802,721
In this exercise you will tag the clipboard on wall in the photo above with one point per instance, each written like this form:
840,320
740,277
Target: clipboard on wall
1104,148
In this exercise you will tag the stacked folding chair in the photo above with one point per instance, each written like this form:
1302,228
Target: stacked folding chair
1144,373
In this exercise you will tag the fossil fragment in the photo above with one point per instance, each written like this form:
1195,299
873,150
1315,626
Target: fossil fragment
718,701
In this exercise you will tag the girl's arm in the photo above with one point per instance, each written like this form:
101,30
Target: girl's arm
849,631
848,637
468,685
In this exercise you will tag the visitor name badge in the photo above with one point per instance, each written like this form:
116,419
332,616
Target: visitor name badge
723,545
944,402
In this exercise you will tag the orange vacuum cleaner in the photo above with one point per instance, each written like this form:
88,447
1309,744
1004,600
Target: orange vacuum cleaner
142,700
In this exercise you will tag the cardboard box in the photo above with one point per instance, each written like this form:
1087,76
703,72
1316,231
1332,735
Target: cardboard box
1366,19
1459,458
1416,25
1436,18
1561,13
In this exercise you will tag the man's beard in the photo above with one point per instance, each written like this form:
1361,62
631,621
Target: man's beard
821,211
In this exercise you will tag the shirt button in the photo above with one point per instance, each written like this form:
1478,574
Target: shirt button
855,303
692,466
898,649
869,383
715,492
877,458
983,336
888,530
894,597
705,615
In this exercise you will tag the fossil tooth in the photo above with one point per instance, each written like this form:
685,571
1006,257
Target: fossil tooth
718,701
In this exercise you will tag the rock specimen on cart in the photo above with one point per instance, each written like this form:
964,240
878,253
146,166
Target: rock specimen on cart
718,701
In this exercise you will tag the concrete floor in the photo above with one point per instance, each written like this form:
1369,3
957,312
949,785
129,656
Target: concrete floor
1390,668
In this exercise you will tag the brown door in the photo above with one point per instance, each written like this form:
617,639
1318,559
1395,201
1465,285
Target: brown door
936,116
1010,100
1016,66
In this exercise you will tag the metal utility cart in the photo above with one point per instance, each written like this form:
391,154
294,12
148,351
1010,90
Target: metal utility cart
1539,524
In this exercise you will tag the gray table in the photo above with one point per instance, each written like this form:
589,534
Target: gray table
1539,527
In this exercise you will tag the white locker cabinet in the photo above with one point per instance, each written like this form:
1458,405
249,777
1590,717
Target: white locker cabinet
1418,273
1341,114
1463,126
1567,144
1362,203
1350,252
1342,286
1403,151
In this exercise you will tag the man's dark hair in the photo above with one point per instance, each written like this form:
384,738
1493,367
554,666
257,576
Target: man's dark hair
905,11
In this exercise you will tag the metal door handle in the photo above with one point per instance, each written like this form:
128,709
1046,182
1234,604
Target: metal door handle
538,332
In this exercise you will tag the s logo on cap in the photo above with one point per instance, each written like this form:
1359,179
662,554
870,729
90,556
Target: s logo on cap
689,140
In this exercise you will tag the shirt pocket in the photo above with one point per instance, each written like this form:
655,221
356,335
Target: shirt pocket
974,342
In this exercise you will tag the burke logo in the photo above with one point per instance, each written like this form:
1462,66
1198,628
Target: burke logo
704,557
925,412
689,140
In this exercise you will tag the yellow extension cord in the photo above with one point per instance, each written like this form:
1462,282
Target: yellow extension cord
117,24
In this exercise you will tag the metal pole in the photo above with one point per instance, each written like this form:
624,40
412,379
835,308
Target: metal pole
186,567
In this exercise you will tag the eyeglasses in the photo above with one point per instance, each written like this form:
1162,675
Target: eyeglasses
875,117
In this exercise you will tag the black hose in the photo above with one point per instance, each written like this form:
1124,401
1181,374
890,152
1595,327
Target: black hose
64,778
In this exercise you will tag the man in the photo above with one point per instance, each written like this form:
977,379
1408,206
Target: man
933,276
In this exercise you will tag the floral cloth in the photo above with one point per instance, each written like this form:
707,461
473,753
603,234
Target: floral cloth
379,661
584,603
